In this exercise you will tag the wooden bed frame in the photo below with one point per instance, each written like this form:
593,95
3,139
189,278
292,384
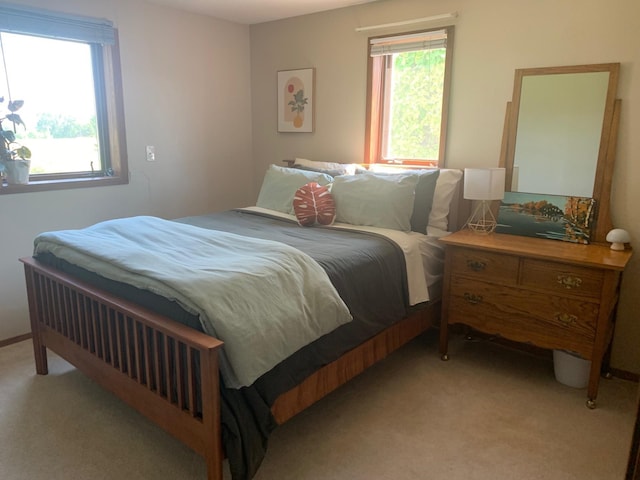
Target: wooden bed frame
149,361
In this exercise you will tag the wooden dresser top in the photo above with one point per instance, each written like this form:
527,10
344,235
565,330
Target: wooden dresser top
600,256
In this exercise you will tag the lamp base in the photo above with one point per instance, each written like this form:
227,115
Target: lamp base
482,227
482,221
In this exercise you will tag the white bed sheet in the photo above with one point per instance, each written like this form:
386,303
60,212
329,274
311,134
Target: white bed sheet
424,254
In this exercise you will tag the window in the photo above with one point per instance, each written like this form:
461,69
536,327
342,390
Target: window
408,88
66,70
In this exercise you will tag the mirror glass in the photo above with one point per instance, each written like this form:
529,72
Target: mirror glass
559,126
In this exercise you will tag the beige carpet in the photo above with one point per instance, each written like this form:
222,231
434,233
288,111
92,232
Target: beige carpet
488,413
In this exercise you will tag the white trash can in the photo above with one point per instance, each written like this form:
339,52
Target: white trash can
571,369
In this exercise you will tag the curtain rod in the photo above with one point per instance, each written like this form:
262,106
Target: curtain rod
443,16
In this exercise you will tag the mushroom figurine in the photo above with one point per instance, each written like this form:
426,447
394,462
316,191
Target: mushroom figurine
618,237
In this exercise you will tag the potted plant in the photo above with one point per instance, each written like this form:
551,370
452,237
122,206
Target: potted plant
14,157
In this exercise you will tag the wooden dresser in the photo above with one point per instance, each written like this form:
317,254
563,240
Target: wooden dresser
548,293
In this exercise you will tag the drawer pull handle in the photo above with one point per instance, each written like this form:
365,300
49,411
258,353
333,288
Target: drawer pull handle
566,319
569,282
472,298
476,265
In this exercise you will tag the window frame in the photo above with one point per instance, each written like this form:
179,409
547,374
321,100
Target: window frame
377,105
112,138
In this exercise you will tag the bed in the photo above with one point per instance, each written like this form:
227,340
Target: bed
151,349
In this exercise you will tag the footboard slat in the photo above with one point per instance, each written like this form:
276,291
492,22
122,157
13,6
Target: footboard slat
71,312
117,317
191,383
136,351
177,354
166,357
61,301
147,357
83,336
108,329
167,371
51,318
126,348
85,321
98,314
58,295
95,332
157,365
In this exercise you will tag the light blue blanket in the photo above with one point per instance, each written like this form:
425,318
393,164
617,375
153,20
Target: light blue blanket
263,299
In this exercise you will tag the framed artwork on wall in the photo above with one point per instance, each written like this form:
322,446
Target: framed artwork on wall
556,217
295,100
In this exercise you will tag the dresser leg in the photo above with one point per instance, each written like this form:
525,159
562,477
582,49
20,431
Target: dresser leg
594,381
444,340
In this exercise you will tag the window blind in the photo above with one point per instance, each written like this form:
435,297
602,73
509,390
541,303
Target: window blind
408,43
50,24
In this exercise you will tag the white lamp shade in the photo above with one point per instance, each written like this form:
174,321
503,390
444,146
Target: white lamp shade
484,183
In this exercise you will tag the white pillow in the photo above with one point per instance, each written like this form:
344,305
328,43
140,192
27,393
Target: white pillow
349,168
446,184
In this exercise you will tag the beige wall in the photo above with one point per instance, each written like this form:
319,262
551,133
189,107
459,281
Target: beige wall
186,91
196,88
492,39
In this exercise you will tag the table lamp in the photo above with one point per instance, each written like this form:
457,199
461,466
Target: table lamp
483,185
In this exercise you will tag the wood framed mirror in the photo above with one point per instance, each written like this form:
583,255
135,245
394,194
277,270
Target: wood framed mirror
560,134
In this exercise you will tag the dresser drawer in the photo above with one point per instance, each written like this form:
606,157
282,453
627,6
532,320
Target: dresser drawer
549,321
561,278
485,266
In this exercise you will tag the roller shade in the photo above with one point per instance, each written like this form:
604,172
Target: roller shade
408,43
50,24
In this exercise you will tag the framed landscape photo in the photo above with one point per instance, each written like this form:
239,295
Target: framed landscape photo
295,100
556,217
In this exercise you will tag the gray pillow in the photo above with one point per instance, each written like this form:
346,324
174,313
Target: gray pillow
280,184
375,200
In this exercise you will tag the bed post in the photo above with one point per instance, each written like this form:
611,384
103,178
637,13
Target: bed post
210,381
39,350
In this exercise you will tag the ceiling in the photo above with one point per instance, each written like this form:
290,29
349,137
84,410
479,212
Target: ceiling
257,11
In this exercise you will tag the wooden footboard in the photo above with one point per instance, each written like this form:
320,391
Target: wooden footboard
166,371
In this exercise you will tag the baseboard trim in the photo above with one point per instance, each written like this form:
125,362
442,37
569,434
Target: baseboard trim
11,341
624,375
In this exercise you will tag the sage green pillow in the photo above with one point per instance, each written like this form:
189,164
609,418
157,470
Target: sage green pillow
280,184
423,201
384,201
